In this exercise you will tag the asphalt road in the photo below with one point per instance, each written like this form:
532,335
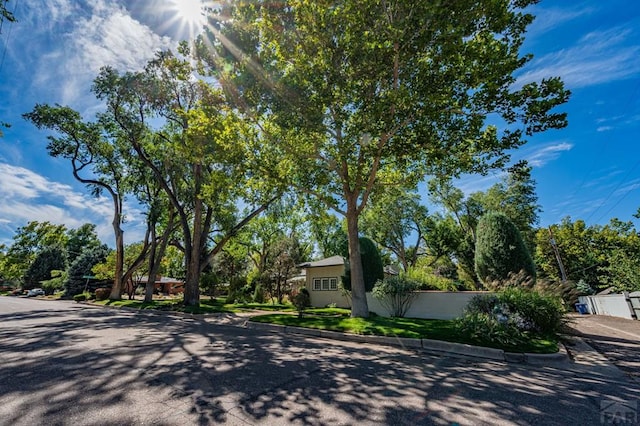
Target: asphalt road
63,363
618,339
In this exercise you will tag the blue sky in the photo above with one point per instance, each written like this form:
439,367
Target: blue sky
590,170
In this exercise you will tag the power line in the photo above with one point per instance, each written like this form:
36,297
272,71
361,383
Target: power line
631,188
613,192
597,158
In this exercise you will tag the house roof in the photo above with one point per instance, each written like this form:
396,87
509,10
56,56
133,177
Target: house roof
329,261
161,280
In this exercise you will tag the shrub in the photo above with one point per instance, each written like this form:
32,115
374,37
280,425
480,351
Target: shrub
396,294
102,293
489,327
500,249
545,314
239,291
429,281
301,300
80,297
483,304
258,294
81,267
511,314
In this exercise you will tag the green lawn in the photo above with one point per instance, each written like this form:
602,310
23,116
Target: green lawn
206,306
399,327
337,319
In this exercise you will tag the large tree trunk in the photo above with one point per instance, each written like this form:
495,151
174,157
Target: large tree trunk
191,285
359,307
116,289
153,268
192,279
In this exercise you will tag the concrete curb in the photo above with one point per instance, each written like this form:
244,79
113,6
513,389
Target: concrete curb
428,345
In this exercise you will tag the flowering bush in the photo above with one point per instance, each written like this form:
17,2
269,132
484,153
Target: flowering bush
512,316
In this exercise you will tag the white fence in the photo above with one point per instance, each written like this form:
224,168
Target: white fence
615,305
431,304
450,304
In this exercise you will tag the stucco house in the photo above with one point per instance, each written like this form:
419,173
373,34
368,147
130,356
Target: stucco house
323,282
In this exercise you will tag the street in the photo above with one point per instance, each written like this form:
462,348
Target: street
63,363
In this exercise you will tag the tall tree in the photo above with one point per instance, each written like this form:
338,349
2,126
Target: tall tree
97,160
364,93
81,268
600,256
199,156
514,196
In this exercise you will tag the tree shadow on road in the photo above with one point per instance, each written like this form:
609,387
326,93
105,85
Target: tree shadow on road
101,366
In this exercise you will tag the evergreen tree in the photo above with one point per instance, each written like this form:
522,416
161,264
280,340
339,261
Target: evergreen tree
500,249
81,268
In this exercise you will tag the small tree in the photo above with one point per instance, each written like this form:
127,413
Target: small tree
81,268
500,249
396,294
301,301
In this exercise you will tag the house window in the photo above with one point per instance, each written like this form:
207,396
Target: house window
325,284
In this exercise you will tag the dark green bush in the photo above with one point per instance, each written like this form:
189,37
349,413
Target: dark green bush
500,249
483,303
240,291
545,314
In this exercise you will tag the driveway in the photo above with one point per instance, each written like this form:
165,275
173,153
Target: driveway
69,364
618,339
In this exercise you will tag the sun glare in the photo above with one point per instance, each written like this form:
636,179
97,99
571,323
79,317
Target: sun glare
189,15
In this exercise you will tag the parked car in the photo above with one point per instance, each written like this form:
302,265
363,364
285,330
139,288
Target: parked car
35,292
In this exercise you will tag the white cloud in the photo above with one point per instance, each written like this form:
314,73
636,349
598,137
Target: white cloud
114,38
604,128
86,36
630,186
535,157
598,57
547,153
548,18
29,196
604,180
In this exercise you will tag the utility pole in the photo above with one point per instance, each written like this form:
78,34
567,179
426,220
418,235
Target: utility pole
552,240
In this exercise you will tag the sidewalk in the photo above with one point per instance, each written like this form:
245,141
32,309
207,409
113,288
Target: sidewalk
617,339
